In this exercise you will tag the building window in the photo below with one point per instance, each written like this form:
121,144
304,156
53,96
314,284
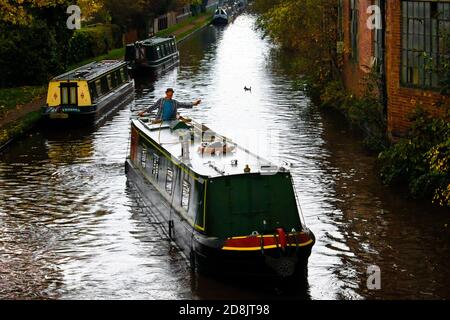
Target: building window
169,181
185,194
155,166
425,32
354,28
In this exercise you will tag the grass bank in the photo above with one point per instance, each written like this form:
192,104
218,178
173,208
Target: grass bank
18,127
189,26
12,98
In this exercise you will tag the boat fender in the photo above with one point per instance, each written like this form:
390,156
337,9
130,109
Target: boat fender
282,237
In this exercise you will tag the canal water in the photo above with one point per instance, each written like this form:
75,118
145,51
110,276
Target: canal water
71,227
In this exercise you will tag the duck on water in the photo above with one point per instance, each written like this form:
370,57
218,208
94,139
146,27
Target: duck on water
229,210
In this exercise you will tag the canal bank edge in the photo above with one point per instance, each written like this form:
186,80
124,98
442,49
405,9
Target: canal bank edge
20,123
17,123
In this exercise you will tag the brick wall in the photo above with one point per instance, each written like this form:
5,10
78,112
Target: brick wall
356,70
401,100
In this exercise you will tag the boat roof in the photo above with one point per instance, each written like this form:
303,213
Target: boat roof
91,71
167,137
155,40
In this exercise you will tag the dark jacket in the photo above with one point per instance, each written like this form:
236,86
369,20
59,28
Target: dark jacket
176,104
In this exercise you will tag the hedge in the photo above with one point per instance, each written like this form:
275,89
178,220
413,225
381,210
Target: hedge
93,41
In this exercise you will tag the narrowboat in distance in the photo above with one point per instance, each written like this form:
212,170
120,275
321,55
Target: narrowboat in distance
228,209
221,17
155,55
88,93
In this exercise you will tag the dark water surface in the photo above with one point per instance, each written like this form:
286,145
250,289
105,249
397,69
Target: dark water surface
71,226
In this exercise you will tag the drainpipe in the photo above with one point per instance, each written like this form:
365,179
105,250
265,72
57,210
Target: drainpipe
383,63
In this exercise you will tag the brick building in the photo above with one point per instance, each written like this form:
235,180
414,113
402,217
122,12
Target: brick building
406,30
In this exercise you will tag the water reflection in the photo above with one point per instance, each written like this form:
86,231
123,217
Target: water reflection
71,226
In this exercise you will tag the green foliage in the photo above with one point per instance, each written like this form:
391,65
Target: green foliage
94,41
306,27
30,53
422,159
365,112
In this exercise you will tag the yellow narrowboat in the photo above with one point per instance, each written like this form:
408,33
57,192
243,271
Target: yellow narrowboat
89,92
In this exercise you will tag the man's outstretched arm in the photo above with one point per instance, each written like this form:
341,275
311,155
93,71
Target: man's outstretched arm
188,105
151,108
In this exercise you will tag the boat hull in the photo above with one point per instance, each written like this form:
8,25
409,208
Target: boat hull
154,67
220,21
206,254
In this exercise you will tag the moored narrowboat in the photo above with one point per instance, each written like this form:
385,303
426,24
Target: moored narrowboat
230,211
156,54
89,92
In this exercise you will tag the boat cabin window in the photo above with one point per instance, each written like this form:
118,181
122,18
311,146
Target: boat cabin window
169,180
69,93
144,157
123,75
73,95
98,87
185,194
119,78
155,166
93,90
104,85
158,52
64,96
113,80
110,85
163,51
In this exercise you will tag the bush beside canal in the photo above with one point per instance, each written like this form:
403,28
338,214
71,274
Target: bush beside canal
93,41
365,112
422,160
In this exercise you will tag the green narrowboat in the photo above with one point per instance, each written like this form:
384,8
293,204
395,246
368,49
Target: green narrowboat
155,55
89,92
228,209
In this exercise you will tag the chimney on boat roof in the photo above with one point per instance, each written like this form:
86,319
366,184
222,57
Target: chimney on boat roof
185,140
